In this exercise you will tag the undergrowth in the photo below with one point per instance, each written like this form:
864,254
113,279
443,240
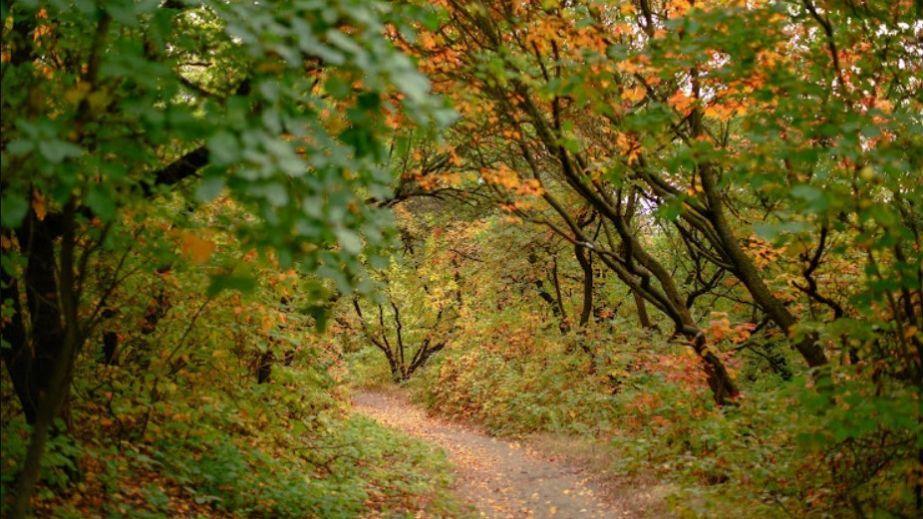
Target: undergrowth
783,450
184,419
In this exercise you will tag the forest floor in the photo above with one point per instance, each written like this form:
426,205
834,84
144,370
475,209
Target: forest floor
503,478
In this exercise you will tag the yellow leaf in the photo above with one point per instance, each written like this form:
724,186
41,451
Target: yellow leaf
634,94
717,111
98,100
267,323
628,146
77,93
910,331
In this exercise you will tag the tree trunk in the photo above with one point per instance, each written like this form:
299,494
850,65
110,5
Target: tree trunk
719,380
110,348
397,372
18,357
643,316
746,271
564,325
34,367
49,407
264,367
57,356
585,259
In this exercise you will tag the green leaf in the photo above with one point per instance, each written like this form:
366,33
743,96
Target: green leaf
671,209
223,149
337,87
772,230
412,83
210,188
101,202
56,151
349,240
276,194
814,198
223,282
13,209
19,147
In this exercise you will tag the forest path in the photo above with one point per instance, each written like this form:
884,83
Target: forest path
499,478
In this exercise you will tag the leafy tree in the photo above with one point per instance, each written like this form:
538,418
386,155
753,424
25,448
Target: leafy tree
108,104
604,104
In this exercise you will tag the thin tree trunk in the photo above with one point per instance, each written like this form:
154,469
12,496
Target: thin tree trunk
641,307
18,357
264,367
559,299
49,407
585,259
719,380
36,237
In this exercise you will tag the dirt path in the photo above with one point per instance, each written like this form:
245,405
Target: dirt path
499,478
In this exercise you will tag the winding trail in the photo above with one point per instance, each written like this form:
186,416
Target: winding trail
499,478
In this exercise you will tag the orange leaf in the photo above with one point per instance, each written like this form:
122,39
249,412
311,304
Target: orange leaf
38,205
681,102
634,94
197,249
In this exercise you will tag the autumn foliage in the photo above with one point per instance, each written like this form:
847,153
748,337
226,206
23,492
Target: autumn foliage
686,233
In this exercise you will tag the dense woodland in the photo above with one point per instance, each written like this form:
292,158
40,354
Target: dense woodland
681,235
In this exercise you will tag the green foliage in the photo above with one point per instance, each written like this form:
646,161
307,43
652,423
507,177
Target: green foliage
368,369
641,204
176,420
233,84
341,474
60,458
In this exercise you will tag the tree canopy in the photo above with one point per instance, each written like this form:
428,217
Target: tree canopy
686,230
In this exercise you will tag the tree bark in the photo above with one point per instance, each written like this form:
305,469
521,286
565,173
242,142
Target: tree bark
18,357
585,259
31,365
564,324
63,317
643,316
746,271
264,367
